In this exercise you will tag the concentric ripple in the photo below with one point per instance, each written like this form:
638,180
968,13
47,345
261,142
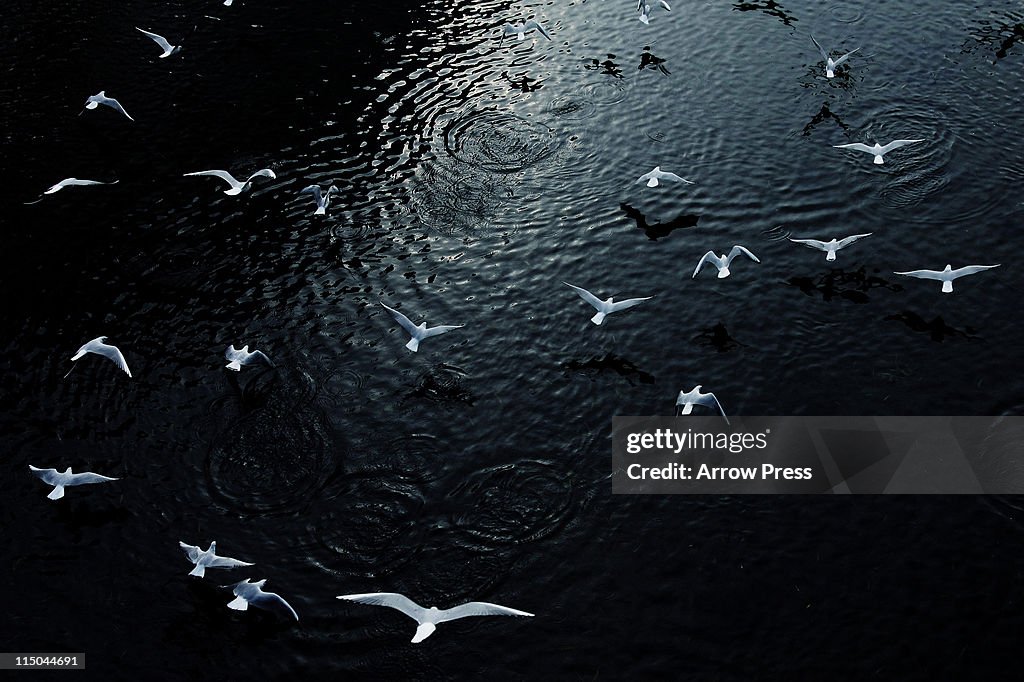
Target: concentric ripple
499,142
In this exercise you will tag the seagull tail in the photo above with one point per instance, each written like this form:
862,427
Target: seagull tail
423,631
235,365
238,604
599,318
723,273
198,571
947,287
878,159
653,182
831,255
320,210
413,345
56,493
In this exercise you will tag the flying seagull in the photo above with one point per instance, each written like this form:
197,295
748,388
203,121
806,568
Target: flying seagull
60,480
652,178
111,352
69,182
878,150
420,332
831,64
520,30
606,307
429,618
162,42
101,98
322,199
237,358
947,275
247,593
830,247
687,399
204,559
645,10
722,262
236,186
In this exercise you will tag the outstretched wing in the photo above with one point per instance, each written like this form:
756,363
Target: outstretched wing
813,243
191,551
392,600
824,55
113,103
587,296
406,323
923,274
160,40
533,24
710,255
262,356
223,175
314,190
709,400
737,250
846,241
440,329
970,270
478,608
227,562
645,177
837,62
262,173
665,5
896,144
674,178
114,354
272,601
628,303
88,477
47,475
859,146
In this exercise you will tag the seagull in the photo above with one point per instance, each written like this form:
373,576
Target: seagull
645,10
520,30
831,64
830,247
162,42
429,618
657,174
244,357
947,275
418,332
204,559
97,346
722,262
60,480
878,150
247,593
687,399
69,182
606,307
101,98
321,198
236,186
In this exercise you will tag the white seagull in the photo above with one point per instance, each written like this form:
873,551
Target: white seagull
69,182
420,332
237,357
831,64
652,178
606,307
830,247
645,10
687,399
247,593
520,30
101,98
60,480
236,186
322,198
207,558
111,352
722,262
947,275
429,618
878,150
162,42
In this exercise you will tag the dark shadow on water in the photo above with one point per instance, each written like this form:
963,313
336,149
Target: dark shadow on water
850,286
655,231
936,328
608,67
1000,34
524,83
651,60
825,114
442,384
717,337
610,363
769,7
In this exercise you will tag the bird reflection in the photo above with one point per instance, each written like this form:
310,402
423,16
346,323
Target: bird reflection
822,116
770,7
610,363
655,231
649,59
849,285
524,84
608,67
717,337
1001,34
936,328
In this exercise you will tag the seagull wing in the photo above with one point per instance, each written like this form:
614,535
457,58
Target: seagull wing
673,177
440,329
970,270
478,608
837,62
88,477
859,146
191,551
588,297
262,173
533,24
896,144
262,356
923,274
710,255
390,599
406,323
160,40
846,241
813,243
628,303
665,5
314,190
47,475
709,400
113,103
227,562
114,354
737,250
645,177
272,601
824,55
223,175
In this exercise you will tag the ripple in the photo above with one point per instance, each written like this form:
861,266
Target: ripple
454,202
499,142
606,90
845,14
415,458
572,107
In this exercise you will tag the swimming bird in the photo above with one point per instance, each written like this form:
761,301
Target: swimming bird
722,262
428,619
687,399
420,332
60,480
322,199
98,346
645,10
101,98
237,358
162,42
830,247
236,186
878,150
520,30
947,275
831,64
653,177
207,558
247,593
608,306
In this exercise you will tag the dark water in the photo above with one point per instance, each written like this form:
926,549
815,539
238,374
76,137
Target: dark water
475,177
